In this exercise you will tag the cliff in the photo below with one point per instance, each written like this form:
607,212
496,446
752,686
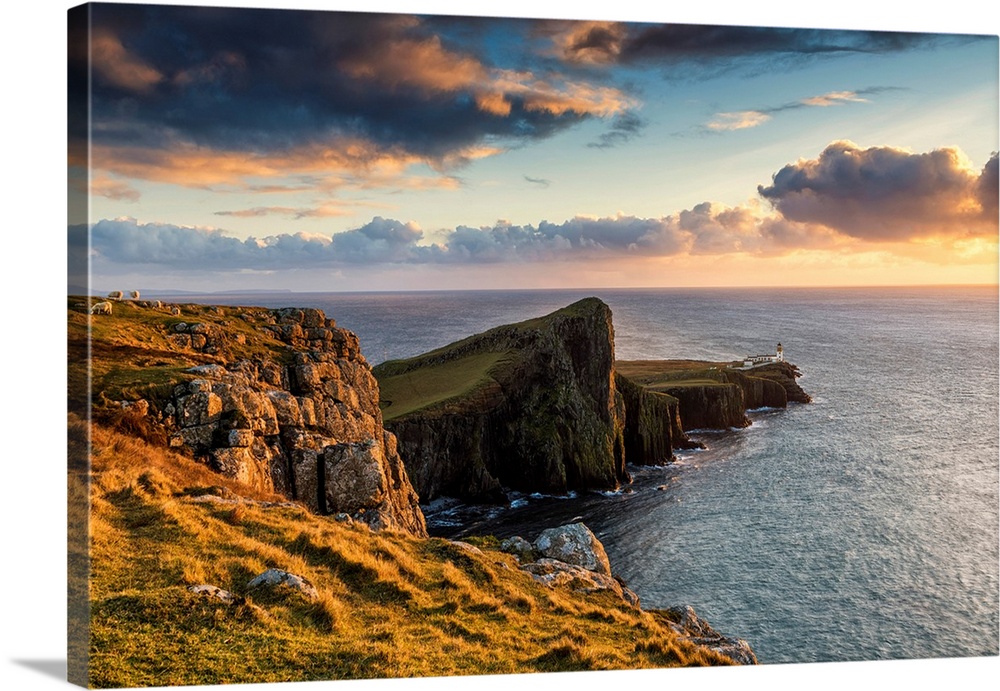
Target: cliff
531,406
653,427
713,396
281,400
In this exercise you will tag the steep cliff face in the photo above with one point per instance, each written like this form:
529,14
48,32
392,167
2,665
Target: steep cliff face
531,406
784,374
712,395
286,403
758,392
653,426
711,405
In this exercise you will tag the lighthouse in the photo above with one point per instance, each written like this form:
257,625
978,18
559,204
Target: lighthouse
780,352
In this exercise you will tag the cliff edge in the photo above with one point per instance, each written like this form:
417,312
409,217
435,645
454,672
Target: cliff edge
531,406
281,400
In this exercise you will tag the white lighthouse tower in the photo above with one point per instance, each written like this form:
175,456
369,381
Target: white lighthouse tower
780,352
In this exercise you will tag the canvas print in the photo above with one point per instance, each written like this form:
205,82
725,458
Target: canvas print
423,345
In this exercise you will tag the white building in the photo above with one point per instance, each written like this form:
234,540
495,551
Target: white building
751,361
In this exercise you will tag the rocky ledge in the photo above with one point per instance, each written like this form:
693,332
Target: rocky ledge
571,556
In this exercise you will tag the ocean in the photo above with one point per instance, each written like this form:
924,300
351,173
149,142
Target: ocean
861,526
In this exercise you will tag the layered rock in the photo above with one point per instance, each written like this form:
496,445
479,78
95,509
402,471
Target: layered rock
784,374
653,427
714,405
686,623
540,411
308,427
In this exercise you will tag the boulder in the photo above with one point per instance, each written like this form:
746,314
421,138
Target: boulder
276,578
520,548
574,544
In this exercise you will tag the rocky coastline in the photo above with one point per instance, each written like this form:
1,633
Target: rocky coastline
284,402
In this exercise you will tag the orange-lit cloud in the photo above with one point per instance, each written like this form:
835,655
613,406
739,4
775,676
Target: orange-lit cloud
420,63
738,121
886,193
104,186
113,63
342,163
594,43
427,66
833,98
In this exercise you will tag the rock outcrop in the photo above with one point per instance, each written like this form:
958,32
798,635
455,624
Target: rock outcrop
532,406
574,544
305,424
686,623
572,557
653,427
569,556
711,395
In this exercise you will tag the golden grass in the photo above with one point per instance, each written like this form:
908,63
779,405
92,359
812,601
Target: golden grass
390,604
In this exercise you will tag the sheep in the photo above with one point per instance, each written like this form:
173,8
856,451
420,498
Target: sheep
101,308
115,295
134,295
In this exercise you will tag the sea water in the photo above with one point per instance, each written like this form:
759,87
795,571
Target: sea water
860,526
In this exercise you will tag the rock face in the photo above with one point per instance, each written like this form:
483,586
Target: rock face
715,397
685,622
574,544
653,427
710,406
544,415
569,556
308,427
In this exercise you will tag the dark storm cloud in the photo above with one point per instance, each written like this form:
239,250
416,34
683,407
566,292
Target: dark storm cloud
680,43
884,193
264,80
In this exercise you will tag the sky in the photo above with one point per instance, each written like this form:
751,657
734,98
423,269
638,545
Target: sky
241,149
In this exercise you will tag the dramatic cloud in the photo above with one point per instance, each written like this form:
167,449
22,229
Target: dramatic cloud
118,68
687,42
214,96
589,42
611,42
884,193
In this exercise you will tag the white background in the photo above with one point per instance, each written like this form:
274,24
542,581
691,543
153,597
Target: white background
32,371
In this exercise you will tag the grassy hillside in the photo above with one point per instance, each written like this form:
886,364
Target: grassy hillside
390,605
442,382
